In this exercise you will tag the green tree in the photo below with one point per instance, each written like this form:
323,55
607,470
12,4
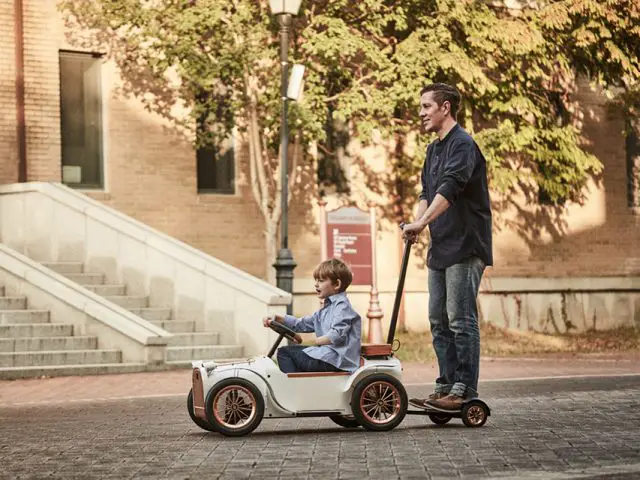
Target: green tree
517,70
219,60
366,62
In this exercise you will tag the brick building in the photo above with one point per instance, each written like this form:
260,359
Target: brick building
132,163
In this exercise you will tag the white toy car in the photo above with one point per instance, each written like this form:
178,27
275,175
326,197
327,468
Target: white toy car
233,398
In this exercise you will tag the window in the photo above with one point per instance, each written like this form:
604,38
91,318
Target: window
216,168
81,120
633,164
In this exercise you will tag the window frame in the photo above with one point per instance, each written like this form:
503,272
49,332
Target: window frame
101,115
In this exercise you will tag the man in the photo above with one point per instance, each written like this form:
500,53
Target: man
454,203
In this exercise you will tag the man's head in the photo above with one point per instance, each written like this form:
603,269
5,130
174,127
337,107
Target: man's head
332,276
439,104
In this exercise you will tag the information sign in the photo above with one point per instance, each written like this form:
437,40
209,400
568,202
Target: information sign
349,239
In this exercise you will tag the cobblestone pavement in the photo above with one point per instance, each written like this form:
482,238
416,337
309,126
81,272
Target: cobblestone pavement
561,428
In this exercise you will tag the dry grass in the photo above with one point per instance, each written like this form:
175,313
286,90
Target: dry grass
501,342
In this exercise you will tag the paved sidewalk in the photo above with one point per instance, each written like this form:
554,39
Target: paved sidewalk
547,365
177,382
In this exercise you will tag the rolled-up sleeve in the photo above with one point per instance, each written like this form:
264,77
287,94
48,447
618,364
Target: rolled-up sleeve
344,316
302,325
457,171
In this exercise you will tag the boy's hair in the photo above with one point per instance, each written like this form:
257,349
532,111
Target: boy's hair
444,93
334,270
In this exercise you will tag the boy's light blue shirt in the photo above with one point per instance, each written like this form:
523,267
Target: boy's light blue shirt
339,321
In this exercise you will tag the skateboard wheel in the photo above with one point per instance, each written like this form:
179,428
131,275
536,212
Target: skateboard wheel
439,419
474,413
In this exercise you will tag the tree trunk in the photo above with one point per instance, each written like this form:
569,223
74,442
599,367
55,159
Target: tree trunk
271,249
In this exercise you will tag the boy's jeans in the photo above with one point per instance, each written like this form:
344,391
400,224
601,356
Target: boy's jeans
453,315
292,359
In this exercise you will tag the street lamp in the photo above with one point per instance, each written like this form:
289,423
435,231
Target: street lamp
284,10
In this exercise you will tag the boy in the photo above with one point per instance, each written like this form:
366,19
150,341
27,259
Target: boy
336,325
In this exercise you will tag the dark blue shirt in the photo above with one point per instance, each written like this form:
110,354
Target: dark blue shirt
455,168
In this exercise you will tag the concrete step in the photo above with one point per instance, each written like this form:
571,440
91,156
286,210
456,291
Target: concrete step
35,344
193,339
13,303
13,373
129,301
152,313
176,326
16,330
107,290
203,352
24,316
86,278
64,357
64,267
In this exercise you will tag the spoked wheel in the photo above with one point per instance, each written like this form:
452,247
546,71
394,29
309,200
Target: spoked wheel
439,419
346,421
474,413
379,402
197,420
234,407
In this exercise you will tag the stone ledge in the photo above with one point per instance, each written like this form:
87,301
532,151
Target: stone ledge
557,285
121,320
156,240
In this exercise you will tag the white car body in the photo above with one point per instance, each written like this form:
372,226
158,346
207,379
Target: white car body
294,394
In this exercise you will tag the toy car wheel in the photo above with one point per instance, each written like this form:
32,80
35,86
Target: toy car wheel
197,420
346,421
474,414
439,419
234,407
379,402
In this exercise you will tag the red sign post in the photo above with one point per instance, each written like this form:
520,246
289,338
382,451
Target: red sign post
349,239
348,233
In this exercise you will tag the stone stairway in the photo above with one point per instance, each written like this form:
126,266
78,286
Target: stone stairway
186,345
31,346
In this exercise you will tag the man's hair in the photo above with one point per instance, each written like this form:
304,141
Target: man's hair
334,270
444,93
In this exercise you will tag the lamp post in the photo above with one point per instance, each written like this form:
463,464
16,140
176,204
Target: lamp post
284,265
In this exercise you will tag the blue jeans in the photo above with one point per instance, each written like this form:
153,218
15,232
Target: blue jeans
453,315
292,359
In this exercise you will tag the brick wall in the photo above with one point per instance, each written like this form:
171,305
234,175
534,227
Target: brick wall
42,97
8,141
600,237
151,175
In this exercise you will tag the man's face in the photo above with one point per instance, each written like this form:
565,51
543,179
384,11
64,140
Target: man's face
432,115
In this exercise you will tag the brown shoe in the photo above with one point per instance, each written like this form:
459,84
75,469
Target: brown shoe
424,402
450,402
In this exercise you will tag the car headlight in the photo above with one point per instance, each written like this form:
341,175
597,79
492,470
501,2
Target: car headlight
209,366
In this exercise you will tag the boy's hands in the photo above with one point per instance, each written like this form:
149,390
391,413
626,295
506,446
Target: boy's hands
266,321
275,318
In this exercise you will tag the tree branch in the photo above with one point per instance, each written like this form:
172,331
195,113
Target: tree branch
356,83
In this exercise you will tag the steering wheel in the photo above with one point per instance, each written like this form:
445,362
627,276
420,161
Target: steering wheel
284,330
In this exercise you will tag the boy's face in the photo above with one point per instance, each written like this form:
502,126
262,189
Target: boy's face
325,288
